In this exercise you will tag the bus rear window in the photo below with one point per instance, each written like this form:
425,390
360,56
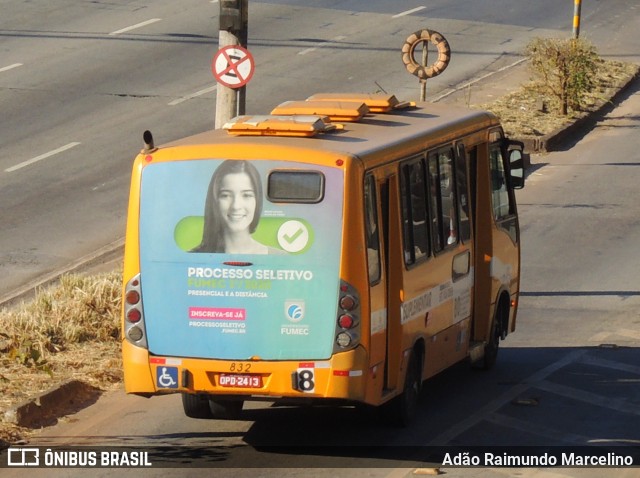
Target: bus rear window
295,186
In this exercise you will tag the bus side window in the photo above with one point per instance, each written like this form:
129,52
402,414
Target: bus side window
499,193
414,212
462,187
371,228
504,210
444,222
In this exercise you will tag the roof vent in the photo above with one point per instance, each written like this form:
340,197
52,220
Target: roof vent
377,102
336,110
268,125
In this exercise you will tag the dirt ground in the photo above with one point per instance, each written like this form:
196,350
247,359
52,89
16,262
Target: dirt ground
527,114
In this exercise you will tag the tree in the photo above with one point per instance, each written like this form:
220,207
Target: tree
563,69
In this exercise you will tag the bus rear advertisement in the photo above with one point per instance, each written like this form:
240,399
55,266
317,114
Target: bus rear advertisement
295,257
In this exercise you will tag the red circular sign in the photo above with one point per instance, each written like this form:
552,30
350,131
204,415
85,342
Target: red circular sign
232,66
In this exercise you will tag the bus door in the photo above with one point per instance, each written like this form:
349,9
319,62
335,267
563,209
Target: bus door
452,288
384,249
387,293
479,181
505,263
496,267
394,269
375,197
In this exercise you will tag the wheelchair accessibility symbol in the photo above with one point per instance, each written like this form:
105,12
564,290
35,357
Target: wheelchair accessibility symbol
167,377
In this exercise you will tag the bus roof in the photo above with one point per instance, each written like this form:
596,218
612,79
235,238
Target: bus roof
426,125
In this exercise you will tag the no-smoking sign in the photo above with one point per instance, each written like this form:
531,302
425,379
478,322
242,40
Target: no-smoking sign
232,66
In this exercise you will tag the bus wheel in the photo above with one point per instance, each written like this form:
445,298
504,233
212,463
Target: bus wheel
491,349
196,405
404,407
492,346
225,409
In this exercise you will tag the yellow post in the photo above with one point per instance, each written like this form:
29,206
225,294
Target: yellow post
576,18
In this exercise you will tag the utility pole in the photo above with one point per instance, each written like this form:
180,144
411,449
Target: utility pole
234,20
576,19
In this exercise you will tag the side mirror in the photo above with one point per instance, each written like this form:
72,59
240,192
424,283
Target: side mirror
516,167
516,163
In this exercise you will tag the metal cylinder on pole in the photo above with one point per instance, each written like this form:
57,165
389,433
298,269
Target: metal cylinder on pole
576,18
234,14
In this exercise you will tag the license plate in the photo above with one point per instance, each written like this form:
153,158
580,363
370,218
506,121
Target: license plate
239,380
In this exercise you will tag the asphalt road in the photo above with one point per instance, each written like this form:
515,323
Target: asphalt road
81,81
567,376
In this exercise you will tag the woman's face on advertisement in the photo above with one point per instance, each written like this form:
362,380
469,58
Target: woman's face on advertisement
236,201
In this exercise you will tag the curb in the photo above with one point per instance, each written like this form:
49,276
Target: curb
111,252
44,409
553,141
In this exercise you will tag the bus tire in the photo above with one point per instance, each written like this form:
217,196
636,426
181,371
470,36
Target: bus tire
421,71
403,408
224,409
493,345
196,405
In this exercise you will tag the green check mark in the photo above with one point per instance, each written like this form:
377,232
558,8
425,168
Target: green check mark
293,237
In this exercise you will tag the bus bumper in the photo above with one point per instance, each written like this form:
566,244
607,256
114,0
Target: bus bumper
343,376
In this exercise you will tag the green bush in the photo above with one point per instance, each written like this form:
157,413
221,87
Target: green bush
563,69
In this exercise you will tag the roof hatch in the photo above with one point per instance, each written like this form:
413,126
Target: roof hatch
376,102
341,110
269,125
314,115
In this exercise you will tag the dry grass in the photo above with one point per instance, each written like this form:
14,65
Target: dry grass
520,111
68,331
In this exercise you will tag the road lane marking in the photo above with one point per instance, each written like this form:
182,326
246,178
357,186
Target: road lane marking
322,45
483,77
558,436
508,396
611,335
137,25
41,157
588,397
633,334
408,12
10,67
306,50
600,362
193,95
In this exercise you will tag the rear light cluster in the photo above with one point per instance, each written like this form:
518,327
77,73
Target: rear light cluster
348,322
134,329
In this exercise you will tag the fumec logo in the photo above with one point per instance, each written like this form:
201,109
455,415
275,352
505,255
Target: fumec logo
294,310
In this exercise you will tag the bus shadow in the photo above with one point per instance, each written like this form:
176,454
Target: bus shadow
534,397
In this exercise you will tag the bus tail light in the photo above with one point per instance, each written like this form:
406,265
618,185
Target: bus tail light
344,339
348,318
134,316
348,302
134,330
346,321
